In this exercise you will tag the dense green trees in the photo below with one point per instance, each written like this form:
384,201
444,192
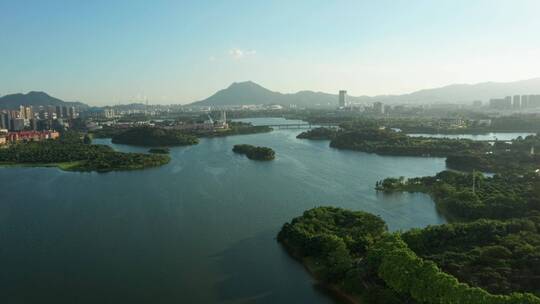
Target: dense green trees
497,197
87,139
159,150
354,251
389,142
85,157
503,157
152,137
255,153
318,134
405,272
333,244
106,132
499,256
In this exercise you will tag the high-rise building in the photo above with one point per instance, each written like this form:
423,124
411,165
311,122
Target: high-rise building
108,112
28,113
59,112
72,112
501,103
17,124
508,102
25,112
516,102
378,107
4,122
50,112
33,124
44,124
42,114
524,101
534,101
342,98
65,113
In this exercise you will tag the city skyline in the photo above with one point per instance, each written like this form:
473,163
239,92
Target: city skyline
102,53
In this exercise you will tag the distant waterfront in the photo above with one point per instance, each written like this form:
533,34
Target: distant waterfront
488,136
200,229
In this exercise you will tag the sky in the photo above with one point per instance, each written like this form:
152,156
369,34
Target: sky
115,52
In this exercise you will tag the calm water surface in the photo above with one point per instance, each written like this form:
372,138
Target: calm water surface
198,230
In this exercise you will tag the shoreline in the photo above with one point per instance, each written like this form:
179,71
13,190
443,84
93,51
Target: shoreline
333,290
70,167
64,166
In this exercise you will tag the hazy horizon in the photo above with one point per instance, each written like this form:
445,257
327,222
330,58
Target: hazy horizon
167,52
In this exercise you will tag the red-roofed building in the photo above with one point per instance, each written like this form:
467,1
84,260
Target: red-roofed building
31,136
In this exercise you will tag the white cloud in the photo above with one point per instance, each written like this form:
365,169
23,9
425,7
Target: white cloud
239,53
212,58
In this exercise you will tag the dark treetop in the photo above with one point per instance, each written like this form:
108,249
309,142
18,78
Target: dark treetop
154,137
255,153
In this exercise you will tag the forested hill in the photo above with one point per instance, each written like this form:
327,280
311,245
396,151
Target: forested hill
250,93
13,101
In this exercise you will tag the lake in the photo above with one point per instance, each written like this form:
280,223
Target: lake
200,229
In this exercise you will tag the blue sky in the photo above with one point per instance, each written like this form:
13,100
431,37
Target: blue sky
104,52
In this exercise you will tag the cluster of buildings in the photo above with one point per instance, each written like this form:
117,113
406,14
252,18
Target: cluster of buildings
30,123
516,102
36,119
377,108
7,137
207,125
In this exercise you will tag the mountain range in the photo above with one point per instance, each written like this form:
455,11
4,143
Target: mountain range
250,93
33,98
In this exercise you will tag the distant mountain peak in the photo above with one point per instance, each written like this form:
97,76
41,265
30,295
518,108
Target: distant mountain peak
245,84
251,93
38,93
33,98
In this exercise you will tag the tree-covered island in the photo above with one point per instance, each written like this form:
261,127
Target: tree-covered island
354,255
386,141
71,153
154,137
390,142
318,134
255,153
462,154
178,136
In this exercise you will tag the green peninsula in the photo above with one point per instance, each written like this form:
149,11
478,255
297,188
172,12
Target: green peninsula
354,255
70,153
154,137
